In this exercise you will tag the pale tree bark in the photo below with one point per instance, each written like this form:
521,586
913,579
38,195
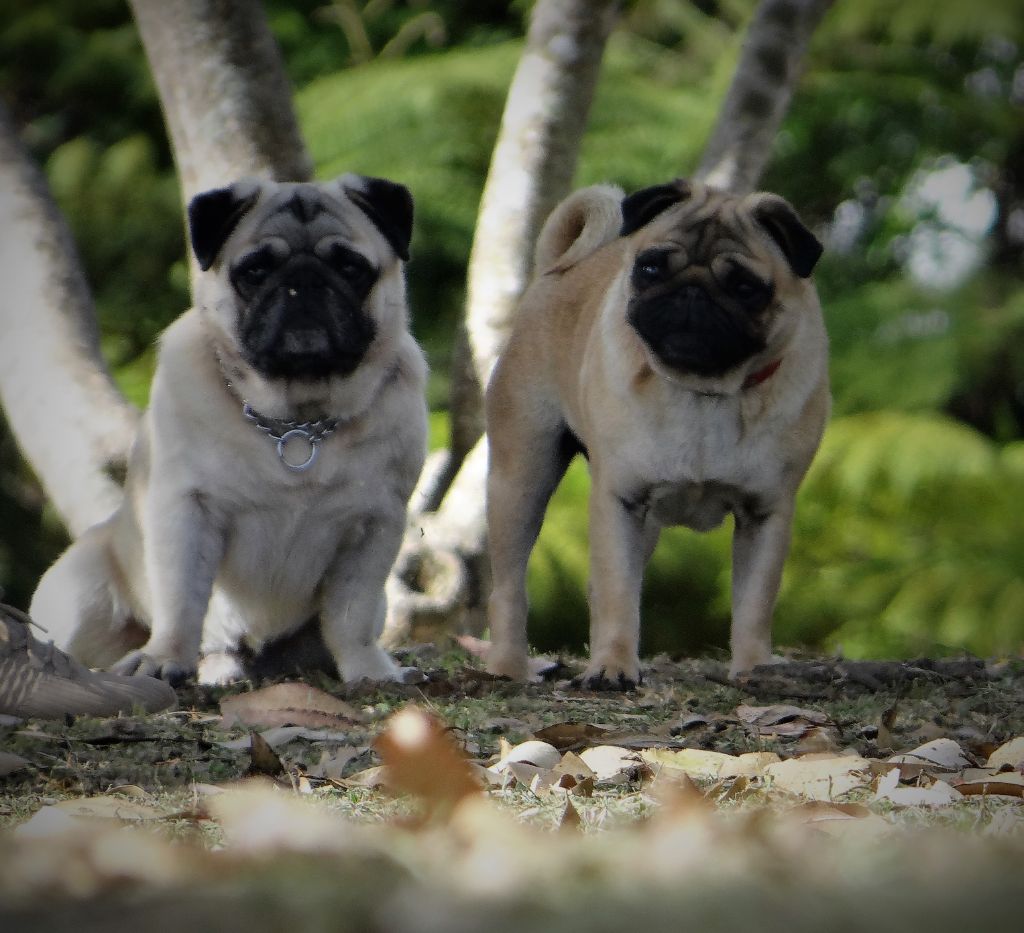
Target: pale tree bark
534,161
531,169
71,423
770,65
226,98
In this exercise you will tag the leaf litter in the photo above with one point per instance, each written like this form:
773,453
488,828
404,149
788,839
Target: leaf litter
639,802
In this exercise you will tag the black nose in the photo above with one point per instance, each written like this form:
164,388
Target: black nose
694,299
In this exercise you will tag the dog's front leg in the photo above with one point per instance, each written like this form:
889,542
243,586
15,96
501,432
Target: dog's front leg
354,605
759,548
184,544
620,542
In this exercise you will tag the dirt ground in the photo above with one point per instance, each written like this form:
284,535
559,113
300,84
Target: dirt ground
265,807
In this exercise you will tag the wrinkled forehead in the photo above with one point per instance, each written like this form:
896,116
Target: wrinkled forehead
706,225
302,215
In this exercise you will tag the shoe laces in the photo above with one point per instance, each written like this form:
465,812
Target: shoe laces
45,656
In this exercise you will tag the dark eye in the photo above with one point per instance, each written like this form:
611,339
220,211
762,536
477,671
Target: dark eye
353,268
350,269
254,275
650,267
253,271
748,289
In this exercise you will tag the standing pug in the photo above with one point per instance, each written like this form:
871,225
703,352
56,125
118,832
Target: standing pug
286,429
675,338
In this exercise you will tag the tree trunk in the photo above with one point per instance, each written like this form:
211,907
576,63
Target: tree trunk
534,161
226,98
72,425
441,573
766,76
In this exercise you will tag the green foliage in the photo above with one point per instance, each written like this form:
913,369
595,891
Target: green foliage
70,68
908,537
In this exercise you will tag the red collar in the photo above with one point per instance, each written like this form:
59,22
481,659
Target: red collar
762,375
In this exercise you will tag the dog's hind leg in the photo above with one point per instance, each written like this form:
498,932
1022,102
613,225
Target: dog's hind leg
82,606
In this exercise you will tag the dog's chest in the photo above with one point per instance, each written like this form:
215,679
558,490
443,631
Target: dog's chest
285,548
283,535
705,463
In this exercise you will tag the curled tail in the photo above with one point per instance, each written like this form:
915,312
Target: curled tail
578,226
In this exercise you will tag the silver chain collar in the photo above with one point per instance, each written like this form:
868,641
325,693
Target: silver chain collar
288,432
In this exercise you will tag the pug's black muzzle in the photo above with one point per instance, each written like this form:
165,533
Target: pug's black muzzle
689,331
306,321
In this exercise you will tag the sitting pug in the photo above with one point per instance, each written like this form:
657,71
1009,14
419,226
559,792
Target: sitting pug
285,432
675,338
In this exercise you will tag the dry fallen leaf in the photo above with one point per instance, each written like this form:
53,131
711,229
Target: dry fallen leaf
694,761
422,759
781,719
938,794
262,758
130,790
886,723
538,754
289,704
678,794
570,820
818,740
841,819
282,735
992,788
700,763
256,816
939,754
613,765
9,763
332,764
109,808
1009,754
819,778
375,778
530,776
569,735
573,766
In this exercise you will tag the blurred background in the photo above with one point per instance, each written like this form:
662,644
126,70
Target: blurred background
904,150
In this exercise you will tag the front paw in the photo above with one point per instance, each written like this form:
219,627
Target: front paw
219,668
152,665
601,675
745,664
375,664
512,664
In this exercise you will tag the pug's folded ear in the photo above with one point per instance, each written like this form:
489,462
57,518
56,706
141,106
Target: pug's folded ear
782,223
388,204
641,207
213,215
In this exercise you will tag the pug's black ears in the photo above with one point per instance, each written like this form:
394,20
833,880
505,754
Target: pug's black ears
641,207
213,215
389,205
782,223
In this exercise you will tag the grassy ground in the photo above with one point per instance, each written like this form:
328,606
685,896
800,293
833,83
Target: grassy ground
114,823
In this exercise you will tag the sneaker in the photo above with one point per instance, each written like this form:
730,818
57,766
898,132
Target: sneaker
39,680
